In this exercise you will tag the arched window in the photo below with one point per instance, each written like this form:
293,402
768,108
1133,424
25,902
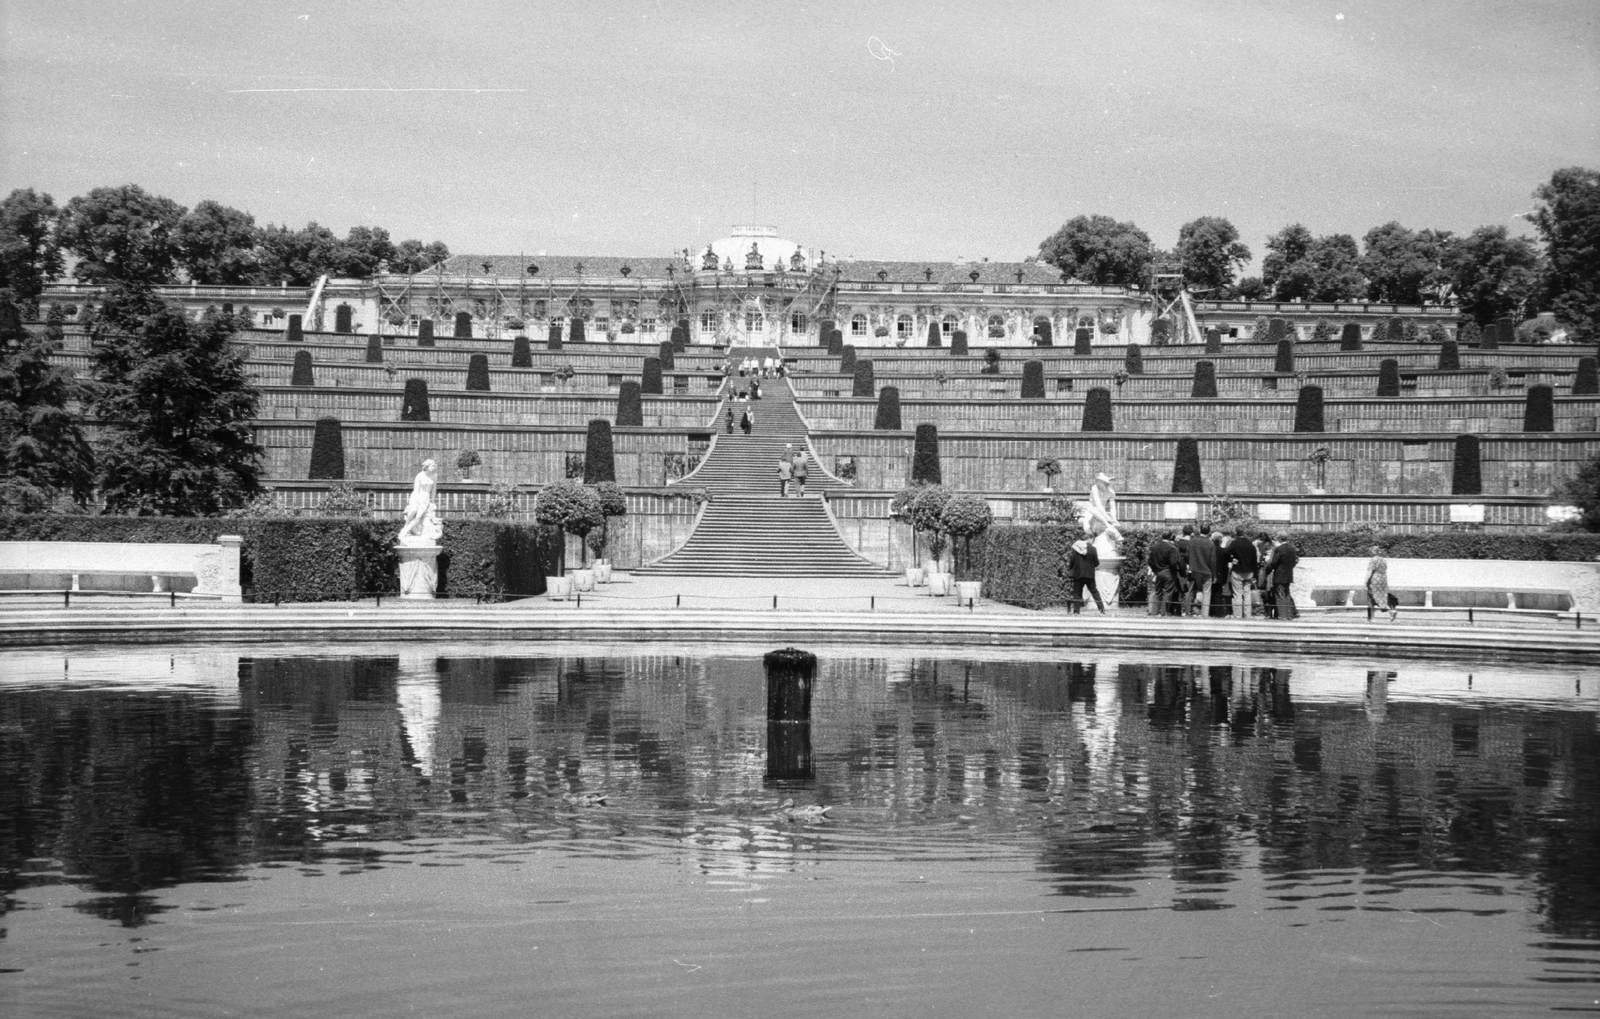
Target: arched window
797,322
948,326
902,328
1086,322
858,325
755,322
708,321
997,327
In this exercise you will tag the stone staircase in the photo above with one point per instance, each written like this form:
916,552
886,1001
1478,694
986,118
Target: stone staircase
747,530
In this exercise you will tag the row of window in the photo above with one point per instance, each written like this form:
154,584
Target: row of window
754,322
905,325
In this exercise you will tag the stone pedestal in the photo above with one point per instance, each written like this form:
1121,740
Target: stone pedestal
419,570
1108,576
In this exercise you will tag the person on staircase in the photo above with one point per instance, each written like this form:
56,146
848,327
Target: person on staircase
730,419
755,389
800,470
747,420
785,469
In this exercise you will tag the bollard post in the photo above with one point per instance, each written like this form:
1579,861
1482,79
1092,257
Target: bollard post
874,606
172,599
66,599
774,603
790,676
1470,621
380,600
1579,617
580,599
679,604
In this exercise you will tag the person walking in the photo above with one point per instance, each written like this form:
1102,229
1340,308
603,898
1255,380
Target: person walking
1243,564
785,469
755,389
800,470
1082,562
730,419
746,421
1282,563
1378,596
1201,556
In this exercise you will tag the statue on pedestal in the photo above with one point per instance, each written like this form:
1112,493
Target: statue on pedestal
1100,513
421,526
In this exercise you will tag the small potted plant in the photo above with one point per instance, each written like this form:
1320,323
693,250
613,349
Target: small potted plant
1320,456
1050,467
1120,377
466,460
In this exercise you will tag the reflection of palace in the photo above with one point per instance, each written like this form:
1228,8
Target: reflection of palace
1128,764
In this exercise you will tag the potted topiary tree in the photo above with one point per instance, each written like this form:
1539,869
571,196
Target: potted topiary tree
1320,456
465,461
965,517
925,511
1050,467
612,504
573,508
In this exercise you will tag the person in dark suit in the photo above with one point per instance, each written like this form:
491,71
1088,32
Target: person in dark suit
1269,604
1082,561
1243,564
1221,589
1201,556
1166,567
1281,565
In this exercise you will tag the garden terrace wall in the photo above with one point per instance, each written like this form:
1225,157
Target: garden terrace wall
1390,464
352,405
345,374
1160,417
516,454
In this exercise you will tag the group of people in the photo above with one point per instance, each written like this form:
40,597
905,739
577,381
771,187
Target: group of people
1214,573
768,367
792,467
747,418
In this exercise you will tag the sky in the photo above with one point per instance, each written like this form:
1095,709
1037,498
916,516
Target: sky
921,130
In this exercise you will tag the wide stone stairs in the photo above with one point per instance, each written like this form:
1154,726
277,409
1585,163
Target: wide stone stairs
746,530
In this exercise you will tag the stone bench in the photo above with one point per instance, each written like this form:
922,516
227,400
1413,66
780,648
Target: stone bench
1493,584
58,565
1447,596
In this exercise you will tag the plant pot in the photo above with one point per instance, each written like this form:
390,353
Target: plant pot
938,584
557,588
602,573
967,591
914,576
583,580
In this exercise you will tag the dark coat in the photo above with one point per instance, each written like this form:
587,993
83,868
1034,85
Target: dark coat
1282,563
1202,556
1083,565
1164,555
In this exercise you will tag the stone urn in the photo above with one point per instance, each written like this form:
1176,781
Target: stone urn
557,588
938,584
1108,575
967,591
602,571
914,576
583,580
419,570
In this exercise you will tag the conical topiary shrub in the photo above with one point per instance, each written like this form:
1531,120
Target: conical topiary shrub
888,418
1158,332
1213,341
1586,382
1033,380
1449,356
650,377
425,333
599,458
1489,338
664,353
1205,379
958,343
630,408
1081,340
294,334
1350,337
1097,410
1468,335
1047,333
374,349
1505,331
1389,377
414,404
1396,331
1466,475
835,342
862,383
302,369
935,337
824,328
478,373
1283,364
847,359
1308,410
679,339
925,457
1539,413
1186,467
327,451
1133,360
553,341
341,318
521,352
575,333
463,325
1276,328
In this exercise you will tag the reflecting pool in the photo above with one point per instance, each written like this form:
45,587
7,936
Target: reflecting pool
573,830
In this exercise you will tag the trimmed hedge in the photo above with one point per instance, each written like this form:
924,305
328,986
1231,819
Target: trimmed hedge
599,458
1308,410
958,343
650,377
1097,410
341,318
327,451
1186,476
1350,336
1586,381
1046,333
1283,363
835,343
1081,339
575,334
630,405
425,333
1505,331
925,457
1027,565
553,340
1539,412
295,335
664,353
1389,377
1277,328
1468,334
1133,360
414,404
1033,380
847,359
1489,338
478,373
679,339
1449,356
1213,341
1397,330
1205,379
935,336
302,375
374,349
1466,475
463,330
824,328
991,362
888,418
1158,332
863,383
521,353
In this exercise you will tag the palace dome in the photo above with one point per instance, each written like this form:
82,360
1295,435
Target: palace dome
735,249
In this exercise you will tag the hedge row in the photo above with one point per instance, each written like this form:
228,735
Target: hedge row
328,559
1026,566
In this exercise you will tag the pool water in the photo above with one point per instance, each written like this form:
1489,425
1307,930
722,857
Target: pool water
404,830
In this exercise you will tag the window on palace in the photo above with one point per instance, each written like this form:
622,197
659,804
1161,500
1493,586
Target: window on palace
755,322
558,321
948,326
647,325
614,381
858,325
539,308
902,327
708,321
680,383
1064,385
601,323
797,322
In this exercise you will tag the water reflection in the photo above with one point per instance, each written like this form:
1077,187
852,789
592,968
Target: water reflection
1323,787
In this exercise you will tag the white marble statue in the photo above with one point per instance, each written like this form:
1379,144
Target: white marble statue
421,525
1100,513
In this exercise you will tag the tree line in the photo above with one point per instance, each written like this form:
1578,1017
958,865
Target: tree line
1488,273
127,235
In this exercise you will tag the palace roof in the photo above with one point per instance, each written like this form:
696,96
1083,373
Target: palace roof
647,267
866,271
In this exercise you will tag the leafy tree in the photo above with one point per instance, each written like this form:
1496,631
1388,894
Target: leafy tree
925,511
177,402
925,468
1299,267
965,516
1210,252
217,245
1098,249
1405,266
30,255
612,504
571,506
296,257
411,256
43,454
363,251
1492,273
122,235
1583,491
1568,219
1252,288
